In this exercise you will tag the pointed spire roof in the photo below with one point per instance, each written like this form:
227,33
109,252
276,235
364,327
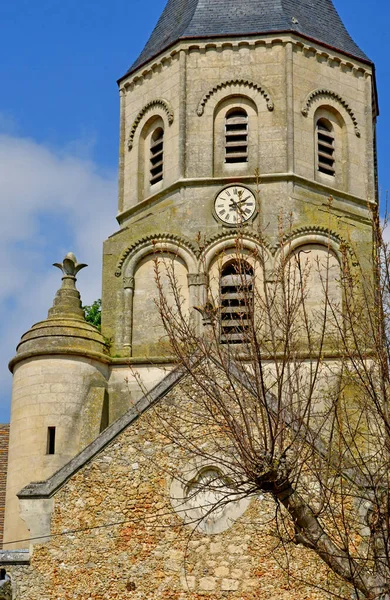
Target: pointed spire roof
317,20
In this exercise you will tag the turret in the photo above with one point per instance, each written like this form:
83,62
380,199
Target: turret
59,400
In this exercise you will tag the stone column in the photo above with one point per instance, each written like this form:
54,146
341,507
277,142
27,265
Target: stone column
290,106
370,143
122,149
128,285
183,113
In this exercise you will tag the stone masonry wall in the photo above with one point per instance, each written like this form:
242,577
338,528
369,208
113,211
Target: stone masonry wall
116,535
4,439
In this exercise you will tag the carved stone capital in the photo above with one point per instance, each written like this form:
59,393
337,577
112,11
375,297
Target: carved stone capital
128,283
197,279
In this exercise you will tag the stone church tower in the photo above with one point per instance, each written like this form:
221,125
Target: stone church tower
234,112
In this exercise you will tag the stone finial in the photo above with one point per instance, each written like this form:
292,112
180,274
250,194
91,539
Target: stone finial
67,302
69,266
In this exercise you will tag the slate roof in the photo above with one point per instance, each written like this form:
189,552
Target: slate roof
194,19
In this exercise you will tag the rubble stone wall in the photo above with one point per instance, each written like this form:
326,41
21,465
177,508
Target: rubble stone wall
116,535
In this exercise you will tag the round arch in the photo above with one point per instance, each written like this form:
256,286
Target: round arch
217,247
235,87
308,239
152,247
158,107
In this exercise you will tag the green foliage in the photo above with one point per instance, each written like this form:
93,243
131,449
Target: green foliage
93,313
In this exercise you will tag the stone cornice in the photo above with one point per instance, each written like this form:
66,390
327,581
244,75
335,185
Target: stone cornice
142,360
98,356
247,179
14,557
322,53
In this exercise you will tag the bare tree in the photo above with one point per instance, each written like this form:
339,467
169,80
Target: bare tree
292,361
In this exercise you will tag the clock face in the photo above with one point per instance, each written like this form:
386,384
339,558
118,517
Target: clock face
235,204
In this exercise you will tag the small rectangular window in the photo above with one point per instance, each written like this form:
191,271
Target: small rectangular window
51,440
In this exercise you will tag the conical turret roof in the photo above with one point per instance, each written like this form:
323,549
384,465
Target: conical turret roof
65,331
317,20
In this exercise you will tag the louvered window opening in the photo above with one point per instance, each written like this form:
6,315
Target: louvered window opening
236,137
157,156
236,303
325,147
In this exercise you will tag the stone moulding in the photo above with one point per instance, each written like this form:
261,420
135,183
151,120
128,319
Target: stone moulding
187,496
14,557
153,239
216,245
308,234
136,78
330,94
157,103
234,235
234,83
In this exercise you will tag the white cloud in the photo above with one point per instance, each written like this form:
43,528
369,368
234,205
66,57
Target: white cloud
51,202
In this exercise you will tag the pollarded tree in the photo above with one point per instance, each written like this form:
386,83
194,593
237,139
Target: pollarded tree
292,360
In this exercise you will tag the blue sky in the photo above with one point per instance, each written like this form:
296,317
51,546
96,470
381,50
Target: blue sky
59,139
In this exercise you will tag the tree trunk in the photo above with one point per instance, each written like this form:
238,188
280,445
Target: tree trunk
310,533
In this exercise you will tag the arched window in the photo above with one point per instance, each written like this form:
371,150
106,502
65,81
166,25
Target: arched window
236,302
156,155
236,136
325,147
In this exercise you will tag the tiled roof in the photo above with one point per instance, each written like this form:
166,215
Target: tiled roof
191,19
4,439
